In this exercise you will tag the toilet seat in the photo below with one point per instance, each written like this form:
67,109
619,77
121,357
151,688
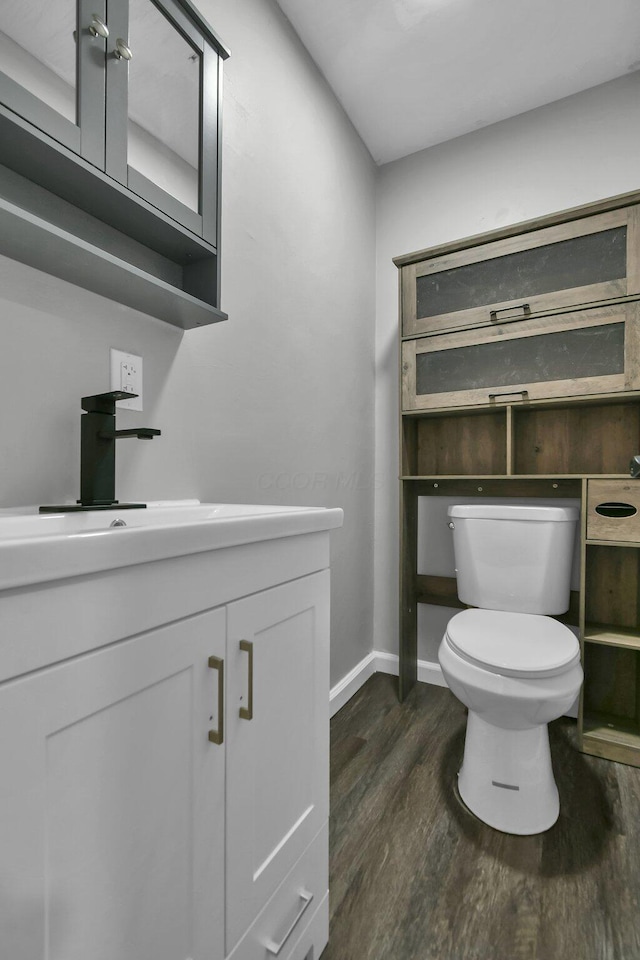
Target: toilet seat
522,645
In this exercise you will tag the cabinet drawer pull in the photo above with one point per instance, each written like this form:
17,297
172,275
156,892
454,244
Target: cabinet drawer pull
275,948
526,312
511,393
217,736
616,509
246,713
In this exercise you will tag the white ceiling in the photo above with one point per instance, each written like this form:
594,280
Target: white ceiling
413,73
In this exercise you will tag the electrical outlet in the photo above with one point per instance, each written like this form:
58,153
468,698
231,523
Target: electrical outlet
126,374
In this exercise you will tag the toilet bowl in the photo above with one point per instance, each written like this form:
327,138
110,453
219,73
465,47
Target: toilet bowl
515,672
514,667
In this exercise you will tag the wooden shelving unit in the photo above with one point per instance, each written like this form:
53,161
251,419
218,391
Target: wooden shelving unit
542,441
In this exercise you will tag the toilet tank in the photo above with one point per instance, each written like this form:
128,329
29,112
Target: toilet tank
515,558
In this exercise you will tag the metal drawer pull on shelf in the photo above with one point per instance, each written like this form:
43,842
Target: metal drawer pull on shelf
275,948
526,312
510,393
217,736
246,713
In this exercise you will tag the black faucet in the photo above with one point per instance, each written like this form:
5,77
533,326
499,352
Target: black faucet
98,437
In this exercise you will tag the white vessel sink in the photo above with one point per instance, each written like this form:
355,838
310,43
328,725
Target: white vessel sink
39,547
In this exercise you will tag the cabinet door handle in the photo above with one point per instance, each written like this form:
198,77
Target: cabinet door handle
511,393
217,736
246,713
275,948
526,312
122,51
98,27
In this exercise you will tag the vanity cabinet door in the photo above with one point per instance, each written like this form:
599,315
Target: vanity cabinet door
162,111
277,748
574,354
52,60
583,261
112,808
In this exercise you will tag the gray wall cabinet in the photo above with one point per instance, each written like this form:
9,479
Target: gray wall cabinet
112,110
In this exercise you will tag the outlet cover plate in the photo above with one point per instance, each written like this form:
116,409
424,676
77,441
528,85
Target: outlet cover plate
126,374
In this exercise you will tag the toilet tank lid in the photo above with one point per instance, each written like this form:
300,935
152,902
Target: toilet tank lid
500,511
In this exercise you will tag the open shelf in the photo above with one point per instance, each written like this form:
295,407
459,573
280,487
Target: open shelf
465,444
611,693
593,438
60,214
610,634
612,585
613,543
610,740
40,244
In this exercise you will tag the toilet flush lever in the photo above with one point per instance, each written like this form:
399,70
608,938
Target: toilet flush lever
451,525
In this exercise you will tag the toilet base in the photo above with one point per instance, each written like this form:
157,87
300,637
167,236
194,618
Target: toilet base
506,778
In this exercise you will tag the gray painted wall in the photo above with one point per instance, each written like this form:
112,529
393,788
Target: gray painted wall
273,406
574,151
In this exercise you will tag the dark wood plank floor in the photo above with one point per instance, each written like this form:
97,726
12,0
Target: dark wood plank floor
415,876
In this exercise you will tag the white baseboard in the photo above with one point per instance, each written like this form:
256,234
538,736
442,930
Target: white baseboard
378,662
351,683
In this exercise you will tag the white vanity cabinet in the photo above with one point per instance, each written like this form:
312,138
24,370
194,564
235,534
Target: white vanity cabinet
164,753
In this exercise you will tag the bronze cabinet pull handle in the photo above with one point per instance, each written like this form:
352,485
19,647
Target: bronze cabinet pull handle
246,713
217,736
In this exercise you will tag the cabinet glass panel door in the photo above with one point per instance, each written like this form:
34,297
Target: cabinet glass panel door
570,354
596,258
39,50
163,132
587,352
48,49
515,278
162,112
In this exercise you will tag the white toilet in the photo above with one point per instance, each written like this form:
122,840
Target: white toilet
515,669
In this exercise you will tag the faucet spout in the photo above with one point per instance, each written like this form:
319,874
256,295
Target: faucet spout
141,433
